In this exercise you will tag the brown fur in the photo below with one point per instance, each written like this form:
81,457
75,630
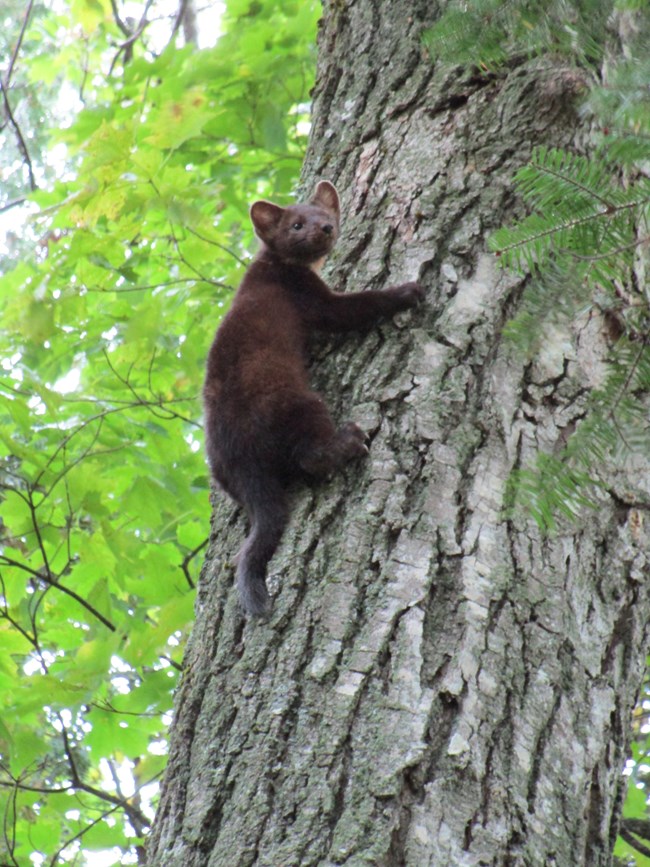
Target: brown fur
264,426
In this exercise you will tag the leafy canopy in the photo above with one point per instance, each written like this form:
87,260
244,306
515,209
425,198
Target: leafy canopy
144,155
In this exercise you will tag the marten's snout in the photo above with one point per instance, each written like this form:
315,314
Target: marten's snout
328,228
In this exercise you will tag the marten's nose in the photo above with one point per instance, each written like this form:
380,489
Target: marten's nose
327,228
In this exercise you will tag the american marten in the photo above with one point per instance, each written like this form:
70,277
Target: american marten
264,426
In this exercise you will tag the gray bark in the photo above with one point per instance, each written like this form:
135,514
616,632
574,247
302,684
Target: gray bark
437,686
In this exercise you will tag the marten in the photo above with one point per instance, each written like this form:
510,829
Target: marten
264,426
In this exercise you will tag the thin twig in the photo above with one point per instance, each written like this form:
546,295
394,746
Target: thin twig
628,378
32,639
126,47
22,147
216,244
188,558
12,204
613,252
4,87
136,817
19,41
116,15
570,224
53,582
632,841
172,663
182,6
609,207
10,838
55,858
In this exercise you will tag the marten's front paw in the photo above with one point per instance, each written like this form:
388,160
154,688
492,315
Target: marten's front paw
352,440
408,294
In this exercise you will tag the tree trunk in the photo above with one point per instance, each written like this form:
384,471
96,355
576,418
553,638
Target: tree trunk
437,685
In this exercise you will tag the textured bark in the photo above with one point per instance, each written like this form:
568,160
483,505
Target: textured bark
437,686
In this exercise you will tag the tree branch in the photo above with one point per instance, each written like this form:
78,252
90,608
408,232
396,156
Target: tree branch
216,244
53,582
126,47
182,6
172,662
55,858
12,204
118,20
19,41
629,838
187,560
4,87
136,817
22,147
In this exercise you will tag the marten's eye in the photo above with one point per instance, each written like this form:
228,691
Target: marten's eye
297,226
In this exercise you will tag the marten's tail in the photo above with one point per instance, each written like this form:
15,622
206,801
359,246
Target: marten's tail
268,513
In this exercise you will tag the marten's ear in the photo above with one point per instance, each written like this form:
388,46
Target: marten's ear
326,196
265,217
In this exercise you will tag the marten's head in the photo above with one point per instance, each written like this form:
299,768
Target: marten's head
300,234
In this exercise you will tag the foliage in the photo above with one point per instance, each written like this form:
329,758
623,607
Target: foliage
489,33
157,149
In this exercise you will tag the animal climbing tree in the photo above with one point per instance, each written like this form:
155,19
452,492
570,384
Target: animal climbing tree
440,682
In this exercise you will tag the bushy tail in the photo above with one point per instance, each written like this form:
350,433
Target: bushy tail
268,513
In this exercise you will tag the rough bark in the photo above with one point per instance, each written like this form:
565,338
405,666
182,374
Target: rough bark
437,686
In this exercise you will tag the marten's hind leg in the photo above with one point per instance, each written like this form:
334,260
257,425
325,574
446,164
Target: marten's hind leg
319,448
